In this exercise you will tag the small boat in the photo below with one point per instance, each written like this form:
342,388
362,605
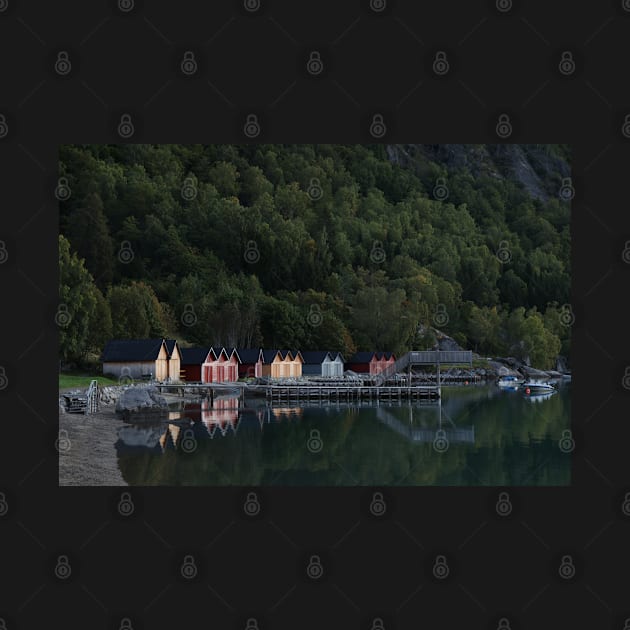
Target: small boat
510,383
537,387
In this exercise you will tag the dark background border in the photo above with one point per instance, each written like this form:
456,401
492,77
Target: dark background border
374,62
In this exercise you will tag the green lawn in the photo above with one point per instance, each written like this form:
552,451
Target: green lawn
68,381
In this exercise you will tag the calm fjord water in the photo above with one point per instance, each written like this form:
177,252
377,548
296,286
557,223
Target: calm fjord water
485,437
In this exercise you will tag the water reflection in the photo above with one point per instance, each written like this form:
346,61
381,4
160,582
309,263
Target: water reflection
493,437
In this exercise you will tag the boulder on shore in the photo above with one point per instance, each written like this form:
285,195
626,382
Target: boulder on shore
140,399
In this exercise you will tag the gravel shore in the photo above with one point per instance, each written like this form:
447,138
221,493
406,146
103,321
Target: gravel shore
91,459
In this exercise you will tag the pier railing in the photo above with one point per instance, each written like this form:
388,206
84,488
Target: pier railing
427,357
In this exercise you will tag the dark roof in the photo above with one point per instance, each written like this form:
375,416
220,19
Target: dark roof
131,350
194,356
269,355
334,355
312,357
170,346
248,355
387,355
361,357
218,351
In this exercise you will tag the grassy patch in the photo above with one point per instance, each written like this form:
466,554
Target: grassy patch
71,381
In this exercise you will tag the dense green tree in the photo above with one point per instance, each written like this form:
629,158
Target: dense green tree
77,304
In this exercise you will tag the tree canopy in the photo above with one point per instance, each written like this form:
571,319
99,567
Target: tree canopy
319,246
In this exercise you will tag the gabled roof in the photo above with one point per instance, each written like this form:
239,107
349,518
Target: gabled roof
220,351
286,354
361,357
195,356
270,355
132,350
315,357
296,354
248,355
334,355
170,347
387,355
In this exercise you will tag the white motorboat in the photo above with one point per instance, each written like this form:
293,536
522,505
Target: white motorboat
537,387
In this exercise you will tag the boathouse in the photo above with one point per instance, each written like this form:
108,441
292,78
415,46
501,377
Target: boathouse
192,360
250,362
322,363
174,360
220,366
136,358
371,363
282,363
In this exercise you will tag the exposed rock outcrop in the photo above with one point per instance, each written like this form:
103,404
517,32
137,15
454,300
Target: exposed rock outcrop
140,399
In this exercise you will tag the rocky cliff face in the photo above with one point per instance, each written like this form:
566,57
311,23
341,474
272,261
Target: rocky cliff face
534,166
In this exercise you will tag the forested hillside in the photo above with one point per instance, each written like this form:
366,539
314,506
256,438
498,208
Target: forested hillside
317,246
